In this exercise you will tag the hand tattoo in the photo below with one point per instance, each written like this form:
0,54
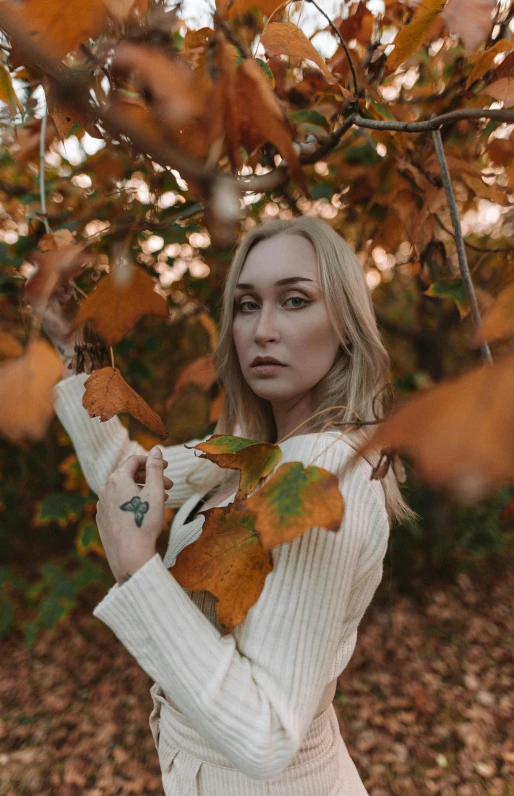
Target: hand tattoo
138,506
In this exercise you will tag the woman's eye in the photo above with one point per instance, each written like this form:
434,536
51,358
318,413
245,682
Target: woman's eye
298,298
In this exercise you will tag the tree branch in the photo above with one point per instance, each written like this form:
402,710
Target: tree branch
459,240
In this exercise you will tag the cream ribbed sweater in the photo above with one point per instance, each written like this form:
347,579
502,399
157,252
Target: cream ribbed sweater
251,694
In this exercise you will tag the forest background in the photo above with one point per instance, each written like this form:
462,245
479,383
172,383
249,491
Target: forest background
359,117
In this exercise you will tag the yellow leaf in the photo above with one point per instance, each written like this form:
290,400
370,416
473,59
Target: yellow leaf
285,38
411,36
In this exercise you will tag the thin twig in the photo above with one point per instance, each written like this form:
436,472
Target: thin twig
231,36
42,188
469,245
343,45
459,240
436,121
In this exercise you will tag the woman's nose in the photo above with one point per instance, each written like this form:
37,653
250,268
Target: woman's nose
266,326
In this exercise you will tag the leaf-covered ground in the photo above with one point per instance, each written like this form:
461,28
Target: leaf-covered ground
426,705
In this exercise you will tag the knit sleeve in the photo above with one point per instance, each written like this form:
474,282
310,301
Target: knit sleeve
102,446
253,693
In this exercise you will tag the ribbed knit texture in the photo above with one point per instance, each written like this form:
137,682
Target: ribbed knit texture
252,694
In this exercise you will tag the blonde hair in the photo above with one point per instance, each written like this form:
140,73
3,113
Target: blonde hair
357,376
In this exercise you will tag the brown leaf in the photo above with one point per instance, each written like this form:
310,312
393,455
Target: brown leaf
285,38
58,26
26,397
107,394
115,308
460,433
121,9
200,372
502,89
498,322
230,9
471,20
227,560
54,267
64,113
9,346
485,60
411,36
262,119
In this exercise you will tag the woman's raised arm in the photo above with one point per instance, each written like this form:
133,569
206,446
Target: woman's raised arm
102,446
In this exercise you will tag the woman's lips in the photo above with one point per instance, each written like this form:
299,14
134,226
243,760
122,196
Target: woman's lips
268,369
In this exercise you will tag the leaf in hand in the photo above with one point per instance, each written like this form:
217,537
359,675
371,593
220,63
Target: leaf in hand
115,306
231,558
26,399
107,394
254,459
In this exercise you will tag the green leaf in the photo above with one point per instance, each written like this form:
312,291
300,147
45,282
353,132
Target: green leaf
453,289
324,190
310,117
88,538
61,507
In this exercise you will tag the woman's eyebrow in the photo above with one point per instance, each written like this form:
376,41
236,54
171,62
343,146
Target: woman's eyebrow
286,281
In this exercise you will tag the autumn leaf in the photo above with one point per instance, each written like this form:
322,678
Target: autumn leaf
58,26
230,9
459,433
454,289
7,92
227,560
108,394
295,498
280,38
411,36
9,346
231,558
498,322
26,397
471,20
485,60
254,459
54,267
200,372
262,119
115,308
65,113
502,89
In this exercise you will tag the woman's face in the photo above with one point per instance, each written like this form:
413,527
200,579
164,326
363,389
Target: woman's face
280,312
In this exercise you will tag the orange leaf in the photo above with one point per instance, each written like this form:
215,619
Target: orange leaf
115,307
26,397
200,372
9,346
498,322
262,119
285,38
294,499
485,60
255,460
107,394
227,560
58,26
411,36
230,9
459,433
64,113
502,89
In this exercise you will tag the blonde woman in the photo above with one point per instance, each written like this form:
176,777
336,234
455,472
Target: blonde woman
251,712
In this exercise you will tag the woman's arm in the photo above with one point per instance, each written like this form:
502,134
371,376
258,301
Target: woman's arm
253,693
102,446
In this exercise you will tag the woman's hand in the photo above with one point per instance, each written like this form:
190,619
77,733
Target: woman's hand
129,516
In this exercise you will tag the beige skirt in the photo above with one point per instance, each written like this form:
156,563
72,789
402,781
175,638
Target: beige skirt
190,767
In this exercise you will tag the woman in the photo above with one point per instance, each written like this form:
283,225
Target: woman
251,712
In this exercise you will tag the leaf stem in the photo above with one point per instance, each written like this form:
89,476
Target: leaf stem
343,45
42,187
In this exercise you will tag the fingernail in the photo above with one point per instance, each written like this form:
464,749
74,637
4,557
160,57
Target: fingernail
156,452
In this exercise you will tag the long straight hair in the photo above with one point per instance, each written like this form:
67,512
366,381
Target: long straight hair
355,380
